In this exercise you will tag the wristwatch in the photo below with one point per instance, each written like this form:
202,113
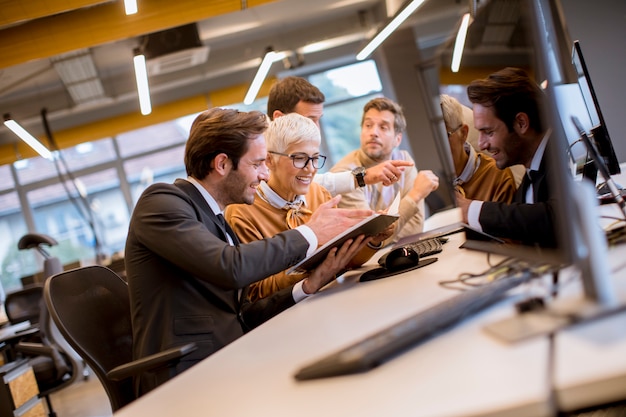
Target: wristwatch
359,176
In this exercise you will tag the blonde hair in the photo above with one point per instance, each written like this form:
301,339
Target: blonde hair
291,129
452,112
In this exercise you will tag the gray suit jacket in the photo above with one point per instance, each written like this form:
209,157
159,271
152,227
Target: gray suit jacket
184,278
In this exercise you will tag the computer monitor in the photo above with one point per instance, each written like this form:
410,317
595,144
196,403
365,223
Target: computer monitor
598,130
570,103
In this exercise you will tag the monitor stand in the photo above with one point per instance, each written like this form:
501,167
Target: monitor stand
605,196
599,298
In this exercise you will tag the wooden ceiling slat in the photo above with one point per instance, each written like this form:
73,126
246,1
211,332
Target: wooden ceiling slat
87,27
16,11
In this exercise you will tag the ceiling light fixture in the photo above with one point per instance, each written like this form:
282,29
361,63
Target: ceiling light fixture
270,57
459,44
130,6
389,29
141,76
27,137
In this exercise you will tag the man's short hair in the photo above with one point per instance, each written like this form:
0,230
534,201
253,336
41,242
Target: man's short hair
510,91
216,131
382,104
285,94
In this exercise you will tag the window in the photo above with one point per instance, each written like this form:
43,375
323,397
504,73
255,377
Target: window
347,89
34,169
88,154
78,222
13,262
151,138
6,179
164,166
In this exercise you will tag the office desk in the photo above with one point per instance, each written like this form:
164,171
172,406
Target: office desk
13,331
463,372
11,334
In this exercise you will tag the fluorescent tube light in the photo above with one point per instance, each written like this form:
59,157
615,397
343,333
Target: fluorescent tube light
459,44
141,75
389,29
28,138
269,58
130,6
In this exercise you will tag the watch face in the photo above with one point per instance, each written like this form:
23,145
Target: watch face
359,173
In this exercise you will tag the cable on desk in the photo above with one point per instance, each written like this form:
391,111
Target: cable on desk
503,268
615,235
531,299
618,220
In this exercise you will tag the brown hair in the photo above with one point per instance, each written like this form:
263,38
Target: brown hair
285,94
510,91
216,131
382,104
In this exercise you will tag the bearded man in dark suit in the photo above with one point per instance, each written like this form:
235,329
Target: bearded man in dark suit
508,113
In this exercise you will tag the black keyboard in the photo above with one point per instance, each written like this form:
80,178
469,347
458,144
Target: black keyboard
424,248
379,347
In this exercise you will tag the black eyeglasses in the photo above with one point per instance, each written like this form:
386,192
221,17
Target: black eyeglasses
452,132
300,160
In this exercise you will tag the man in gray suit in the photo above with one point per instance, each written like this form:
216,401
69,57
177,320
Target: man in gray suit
187,273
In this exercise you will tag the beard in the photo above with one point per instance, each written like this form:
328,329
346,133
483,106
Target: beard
376,153
237,190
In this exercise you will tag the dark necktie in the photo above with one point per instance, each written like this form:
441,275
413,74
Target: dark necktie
230,238
225,230
532,178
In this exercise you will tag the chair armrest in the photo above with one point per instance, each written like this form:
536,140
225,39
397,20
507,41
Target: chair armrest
34,349
27,331
21,334
158,360
38,349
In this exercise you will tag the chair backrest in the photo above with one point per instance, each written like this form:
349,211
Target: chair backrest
90,306
24,304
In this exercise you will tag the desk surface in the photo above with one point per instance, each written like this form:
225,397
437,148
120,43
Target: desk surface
462,372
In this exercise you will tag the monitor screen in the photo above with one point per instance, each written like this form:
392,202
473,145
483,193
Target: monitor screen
570,103
598,126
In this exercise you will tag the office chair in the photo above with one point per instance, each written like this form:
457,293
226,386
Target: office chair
91,308
51,264
54,365
23,305
54,369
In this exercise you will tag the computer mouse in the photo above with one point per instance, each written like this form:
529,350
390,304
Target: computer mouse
401,258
